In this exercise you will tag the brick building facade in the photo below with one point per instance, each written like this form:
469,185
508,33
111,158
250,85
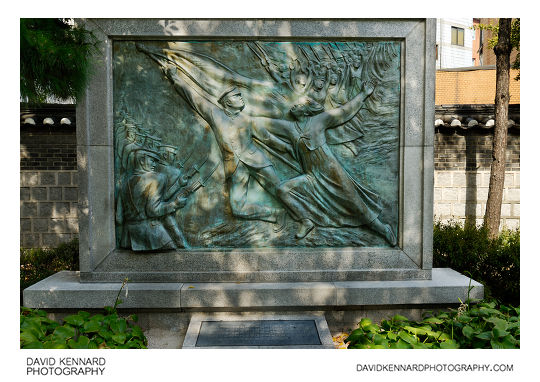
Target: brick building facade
485,54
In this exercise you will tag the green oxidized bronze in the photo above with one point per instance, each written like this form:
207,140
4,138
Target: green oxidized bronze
256,144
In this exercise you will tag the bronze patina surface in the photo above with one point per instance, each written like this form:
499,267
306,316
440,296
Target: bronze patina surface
250,144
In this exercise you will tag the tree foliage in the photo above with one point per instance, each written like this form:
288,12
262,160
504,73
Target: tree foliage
514,39
55,59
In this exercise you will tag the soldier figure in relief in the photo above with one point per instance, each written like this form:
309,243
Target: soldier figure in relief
176,179
149,217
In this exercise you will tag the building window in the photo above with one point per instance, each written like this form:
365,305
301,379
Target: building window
458,36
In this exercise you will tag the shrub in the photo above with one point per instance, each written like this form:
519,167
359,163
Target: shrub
37,263
482,326
492,262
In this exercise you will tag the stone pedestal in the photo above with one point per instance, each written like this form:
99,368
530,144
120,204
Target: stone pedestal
165,309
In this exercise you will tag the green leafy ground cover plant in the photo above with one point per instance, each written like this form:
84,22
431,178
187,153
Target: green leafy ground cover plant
82,330
492,262
481,326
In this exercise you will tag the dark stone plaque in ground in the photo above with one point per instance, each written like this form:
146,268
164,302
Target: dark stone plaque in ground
258,333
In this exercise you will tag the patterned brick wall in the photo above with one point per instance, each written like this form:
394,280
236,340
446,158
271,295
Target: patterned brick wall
48,148
471,151
462,195
471,86
48,208
48,186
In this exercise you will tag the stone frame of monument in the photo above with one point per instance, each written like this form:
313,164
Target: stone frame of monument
102,261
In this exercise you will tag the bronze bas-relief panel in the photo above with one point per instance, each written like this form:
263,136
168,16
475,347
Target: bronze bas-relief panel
244,144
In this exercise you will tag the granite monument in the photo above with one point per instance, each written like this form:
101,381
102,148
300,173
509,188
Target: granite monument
274,165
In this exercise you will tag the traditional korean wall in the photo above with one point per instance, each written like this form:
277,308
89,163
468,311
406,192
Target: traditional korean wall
48,177
462,154
462,160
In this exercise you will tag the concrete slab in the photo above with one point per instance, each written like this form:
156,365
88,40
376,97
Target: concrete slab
445,287
259,265
64,290
245,295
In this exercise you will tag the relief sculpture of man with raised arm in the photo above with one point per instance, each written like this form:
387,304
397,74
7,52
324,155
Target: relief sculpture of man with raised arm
319,161
242,159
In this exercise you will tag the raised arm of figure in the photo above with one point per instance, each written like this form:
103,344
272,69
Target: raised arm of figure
292,74
270,67
199,103
273,70
344,78
335,117
256,49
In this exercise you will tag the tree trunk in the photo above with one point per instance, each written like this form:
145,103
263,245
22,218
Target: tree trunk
502,50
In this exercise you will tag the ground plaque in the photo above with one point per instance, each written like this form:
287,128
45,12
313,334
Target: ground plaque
257,331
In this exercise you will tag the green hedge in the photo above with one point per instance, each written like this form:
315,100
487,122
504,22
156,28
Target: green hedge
77,331
492,262
37,263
